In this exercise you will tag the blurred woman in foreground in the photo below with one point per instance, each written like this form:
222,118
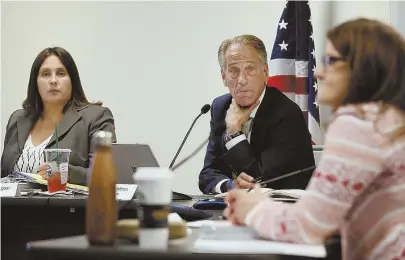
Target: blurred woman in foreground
358,187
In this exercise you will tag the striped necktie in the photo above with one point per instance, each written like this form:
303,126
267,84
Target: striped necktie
247,127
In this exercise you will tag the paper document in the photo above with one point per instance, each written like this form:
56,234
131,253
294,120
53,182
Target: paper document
36,178
210,223
56,194
291,193
174,218
262,190
243,240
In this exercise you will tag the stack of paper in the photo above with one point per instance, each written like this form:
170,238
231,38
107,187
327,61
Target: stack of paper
36,178
278,195
209,223
263,190
228,239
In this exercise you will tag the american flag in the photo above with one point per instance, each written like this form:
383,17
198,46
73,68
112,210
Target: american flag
292,63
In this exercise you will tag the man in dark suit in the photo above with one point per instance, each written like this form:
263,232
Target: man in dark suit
256,131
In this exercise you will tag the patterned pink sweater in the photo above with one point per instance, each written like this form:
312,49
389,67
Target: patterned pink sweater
357,188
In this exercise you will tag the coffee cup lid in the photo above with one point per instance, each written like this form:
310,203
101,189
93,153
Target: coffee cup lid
152,173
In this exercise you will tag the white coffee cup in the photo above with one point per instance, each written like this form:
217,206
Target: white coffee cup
155,195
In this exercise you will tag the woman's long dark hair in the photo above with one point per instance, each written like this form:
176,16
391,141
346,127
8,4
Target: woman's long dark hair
33,103
375,53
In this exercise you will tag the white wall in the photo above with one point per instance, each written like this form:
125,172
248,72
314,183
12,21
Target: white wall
1,117
153,63
340,11
397,17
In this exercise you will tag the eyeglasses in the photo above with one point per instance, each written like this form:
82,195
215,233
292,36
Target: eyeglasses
329,60
234,72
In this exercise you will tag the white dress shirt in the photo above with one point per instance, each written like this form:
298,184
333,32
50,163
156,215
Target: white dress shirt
247,129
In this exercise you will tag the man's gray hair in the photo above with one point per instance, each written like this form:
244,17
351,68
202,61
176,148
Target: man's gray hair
245,39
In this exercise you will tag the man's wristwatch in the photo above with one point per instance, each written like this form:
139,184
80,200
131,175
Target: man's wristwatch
229,137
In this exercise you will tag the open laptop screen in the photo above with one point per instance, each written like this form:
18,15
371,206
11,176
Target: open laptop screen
129,157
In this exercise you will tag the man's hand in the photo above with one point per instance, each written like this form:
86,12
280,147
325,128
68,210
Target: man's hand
42,171
236,116
244,181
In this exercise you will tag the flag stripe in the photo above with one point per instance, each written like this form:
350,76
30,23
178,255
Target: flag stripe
300,100
288,83
288,67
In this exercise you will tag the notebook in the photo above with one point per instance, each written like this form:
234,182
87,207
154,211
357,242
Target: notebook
36,178
222,238
278,195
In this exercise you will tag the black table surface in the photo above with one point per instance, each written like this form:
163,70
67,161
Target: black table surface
77,247
25,219
74,201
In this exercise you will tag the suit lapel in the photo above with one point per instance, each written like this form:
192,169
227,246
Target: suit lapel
68,121
261,120
222,122
24,126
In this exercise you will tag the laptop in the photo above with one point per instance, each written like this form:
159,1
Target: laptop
129,157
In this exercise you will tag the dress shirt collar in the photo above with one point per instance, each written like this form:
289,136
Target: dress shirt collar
253,113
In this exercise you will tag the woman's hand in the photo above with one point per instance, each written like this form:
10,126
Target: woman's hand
42,171
240,203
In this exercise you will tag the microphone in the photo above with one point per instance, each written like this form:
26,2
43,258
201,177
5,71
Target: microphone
202,145
181,196
204,110
184,212
177,195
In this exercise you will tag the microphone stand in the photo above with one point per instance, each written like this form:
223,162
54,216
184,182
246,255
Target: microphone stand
191,155
177,195
184,141
181,196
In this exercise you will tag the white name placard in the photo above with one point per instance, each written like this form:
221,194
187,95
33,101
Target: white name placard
9,189
125,191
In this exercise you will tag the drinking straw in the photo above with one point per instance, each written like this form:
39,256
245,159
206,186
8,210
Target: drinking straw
57,145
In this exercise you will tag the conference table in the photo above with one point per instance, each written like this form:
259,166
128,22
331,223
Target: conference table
32,218
53,227
77,248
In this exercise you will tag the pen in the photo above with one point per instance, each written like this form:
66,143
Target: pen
230,181
230,184
285,176
259,179
234,175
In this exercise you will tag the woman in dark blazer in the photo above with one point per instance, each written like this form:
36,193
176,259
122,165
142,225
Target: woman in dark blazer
54,97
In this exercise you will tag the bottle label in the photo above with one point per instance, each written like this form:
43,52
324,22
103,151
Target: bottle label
153,216
64,170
